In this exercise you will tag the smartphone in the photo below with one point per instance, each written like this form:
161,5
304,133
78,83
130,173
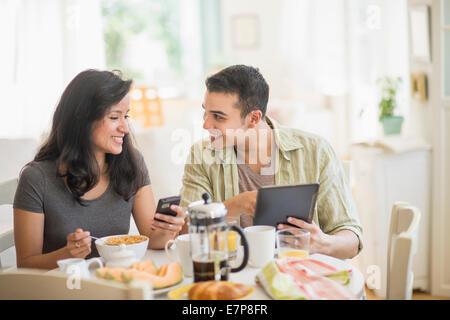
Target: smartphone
164,206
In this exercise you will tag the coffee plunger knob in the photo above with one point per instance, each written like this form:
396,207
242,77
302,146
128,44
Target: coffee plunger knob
206,197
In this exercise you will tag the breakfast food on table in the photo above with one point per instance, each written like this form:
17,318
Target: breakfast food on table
166,276
110,273
109,246
319,268
126,239
146,265
218,290
293,278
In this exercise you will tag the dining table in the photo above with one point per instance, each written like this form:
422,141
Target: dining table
248,275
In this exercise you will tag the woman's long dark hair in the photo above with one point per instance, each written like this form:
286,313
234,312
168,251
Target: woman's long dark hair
86,100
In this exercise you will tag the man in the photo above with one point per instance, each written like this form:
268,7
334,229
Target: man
248,150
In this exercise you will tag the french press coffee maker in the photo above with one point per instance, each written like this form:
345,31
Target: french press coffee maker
212,240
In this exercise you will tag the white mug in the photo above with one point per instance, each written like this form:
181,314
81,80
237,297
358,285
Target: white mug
183,253
261,245
78,265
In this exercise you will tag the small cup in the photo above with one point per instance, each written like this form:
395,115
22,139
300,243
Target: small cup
293,242
182,251
261,242
78,265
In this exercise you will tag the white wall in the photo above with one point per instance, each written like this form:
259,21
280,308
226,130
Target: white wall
300,48
293,99
433,118
264,55
420,121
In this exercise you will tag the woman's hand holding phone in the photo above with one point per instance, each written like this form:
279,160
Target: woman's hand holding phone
171,220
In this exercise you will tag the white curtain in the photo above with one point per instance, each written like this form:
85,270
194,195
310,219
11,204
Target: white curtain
45,44
312,53
378,46
191,43
312,46
332,49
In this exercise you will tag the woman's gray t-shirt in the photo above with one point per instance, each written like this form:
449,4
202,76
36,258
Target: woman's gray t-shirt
41,190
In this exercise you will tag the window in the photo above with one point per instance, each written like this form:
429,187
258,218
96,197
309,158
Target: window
378,46
155,42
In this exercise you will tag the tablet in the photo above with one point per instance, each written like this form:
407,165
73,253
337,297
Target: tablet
275,204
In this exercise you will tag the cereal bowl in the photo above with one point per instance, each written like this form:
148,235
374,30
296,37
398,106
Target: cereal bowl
106,246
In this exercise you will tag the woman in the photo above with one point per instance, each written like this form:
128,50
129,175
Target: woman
86,179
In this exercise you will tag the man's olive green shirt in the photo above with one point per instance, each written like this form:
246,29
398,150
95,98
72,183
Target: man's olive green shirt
300,158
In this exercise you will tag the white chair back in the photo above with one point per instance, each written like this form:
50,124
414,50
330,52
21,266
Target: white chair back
25,284
164,158
7,250
17,153
8,190
402,245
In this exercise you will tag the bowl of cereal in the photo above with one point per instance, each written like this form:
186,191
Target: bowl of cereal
107,246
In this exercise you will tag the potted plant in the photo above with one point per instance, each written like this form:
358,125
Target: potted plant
392,124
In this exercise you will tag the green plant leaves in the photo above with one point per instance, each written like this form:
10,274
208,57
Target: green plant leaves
388,102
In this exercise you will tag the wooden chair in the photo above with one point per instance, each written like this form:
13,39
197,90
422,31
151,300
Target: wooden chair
7,191
32,284
402,245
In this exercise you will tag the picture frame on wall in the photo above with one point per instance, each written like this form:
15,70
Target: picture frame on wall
419,86
245,31
420,33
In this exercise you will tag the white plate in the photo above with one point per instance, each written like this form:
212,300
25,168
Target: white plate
334,262
185,281
356,278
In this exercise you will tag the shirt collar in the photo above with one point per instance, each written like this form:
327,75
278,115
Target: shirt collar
284,138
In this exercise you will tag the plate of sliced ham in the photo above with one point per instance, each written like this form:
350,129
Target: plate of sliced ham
318,277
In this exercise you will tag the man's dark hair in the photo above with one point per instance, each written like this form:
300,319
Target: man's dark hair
247,82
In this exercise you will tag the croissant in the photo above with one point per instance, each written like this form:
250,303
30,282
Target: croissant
217,290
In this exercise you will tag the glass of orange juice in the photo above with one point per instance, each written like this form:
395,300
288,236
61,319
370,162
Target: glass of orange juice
293,242
233,240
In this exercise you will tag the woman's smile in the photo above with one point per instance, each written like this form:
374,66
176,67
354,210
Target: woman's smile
118,139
